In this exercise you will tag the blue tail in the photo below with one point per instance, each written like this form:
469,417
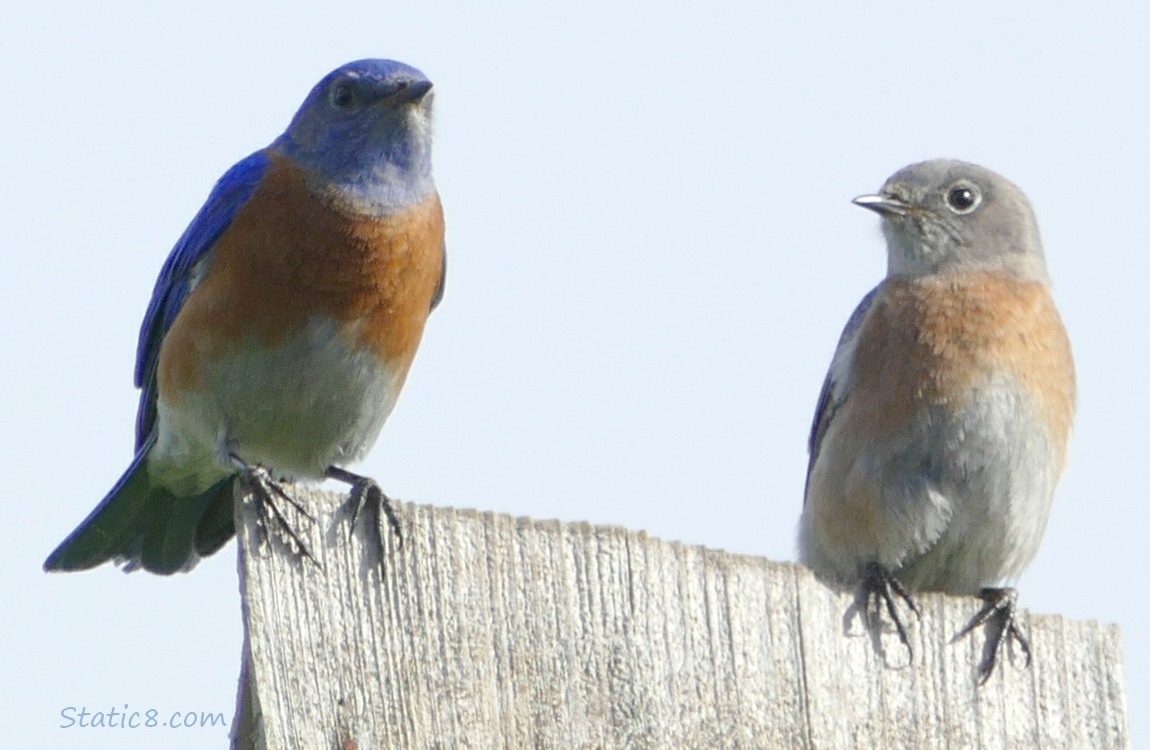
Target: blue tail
145,526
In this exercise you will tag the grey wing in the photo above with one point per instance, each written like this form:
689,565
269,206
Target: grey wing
442,287
833,392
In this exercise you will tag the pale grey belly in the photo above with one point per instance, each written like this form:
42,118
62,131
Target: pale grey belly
997,467
962,498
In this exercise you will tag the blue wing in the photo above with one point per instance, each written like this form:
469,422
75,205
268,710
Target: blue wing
832,394
182,271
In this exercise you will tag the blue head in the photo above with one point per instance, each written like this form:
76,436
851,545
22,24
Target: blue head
363,136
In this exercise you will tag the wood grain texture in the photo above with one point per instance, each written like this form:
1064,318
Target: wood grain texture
488,631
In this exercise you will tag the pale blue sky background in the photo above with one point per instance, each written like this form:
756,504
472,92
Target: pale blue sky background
652,254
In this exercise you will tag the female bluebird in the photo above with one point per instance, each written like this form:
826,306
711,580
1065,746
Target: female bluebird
942,426
283,323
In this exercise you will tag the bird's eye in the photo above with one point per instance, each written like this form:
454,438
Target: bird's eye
963,197
342,96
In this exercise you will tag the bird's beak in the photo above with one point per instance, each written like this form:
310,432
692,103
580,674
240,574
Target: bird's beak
411,91
883,205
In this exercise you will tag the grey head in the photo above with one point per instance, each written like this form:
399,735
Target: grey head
946,215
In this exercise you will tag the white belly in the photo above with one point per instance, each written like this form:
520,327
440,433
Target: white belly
307,404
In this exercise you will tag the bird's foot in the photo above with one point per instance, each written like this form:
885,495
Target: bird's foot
999,615
257,482
881,590
366,491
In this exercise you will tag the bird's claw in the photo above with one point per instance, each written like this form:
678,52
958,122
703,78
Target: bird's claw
366,491
999,615
881,590
258,482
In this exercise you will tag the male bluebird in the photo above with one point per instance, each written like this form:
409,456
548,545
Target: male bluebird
942,426
283,323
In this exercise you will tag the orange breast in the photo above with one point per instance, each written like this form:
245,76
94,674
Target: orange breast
940,339
287,257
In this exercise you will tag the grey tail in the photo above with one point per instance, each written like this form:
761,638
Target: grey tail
146,526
